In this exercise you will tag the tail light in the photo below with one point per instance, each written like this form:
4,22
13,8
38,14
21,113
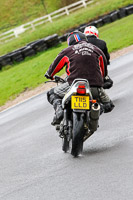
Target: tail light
81,89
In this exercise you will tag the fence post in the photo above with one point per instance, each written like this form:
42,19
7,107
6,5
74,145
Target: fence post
49,18
84,4
66,9
15,33
32,26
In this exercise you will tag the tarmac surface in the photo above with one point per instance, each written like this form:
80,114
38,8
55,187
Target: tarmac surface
33,166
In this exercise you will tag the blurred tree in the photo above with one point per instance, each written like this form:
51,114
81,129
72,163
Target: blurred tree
43,3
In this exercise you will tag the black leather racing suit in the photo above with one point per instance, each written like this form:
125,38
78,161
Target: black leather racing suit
101,44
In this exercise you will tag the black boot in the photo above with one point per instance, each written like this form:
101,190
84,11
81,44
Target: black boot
56,101
108,107
58,112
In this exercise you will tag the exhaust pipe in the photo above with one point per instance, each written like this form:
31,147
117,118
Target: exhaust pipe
94,117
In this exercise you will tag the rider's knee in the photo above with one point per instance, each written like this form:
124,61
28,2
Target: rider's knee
50,96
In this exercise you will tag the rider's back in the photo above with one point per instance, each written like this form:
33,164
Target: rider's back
84,61
100,44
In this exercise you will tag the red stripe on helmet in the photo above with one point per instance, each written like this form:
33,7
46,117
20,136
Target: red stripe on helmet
76,38
91,33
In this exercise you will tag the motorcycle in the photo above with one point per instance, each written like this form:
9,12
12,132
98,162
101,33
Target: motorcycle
81,115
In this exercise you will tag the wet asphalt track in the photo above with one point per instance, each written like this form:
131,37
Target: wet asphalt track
33,166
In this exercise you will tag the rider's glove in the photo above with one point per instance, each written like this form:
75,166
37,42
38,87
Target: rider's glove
108,83
47,76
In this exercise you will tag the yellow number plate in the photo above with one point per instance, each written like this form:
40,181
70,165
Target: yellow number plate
80,102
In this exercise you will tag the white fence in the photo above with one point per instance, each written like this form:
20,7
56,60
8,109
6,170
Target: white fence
13,33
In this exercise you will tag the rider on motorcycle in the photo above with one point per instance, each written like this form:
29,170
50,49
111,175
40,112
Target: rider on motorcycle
92,35
82,60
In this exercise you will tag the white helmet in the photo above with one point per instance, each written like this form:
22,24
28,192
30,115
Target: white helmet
91,30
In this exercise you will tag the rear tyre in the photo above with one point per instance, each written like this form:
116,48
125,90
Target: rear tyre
65,146
78,134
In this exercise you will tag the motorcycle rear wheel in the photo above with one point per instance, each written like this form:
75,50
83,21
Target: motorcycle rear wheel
78,134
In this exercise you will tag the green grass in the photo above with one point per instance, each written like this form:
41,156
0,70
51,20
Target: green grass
16,12
30,73
118,34
63,24
26,75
